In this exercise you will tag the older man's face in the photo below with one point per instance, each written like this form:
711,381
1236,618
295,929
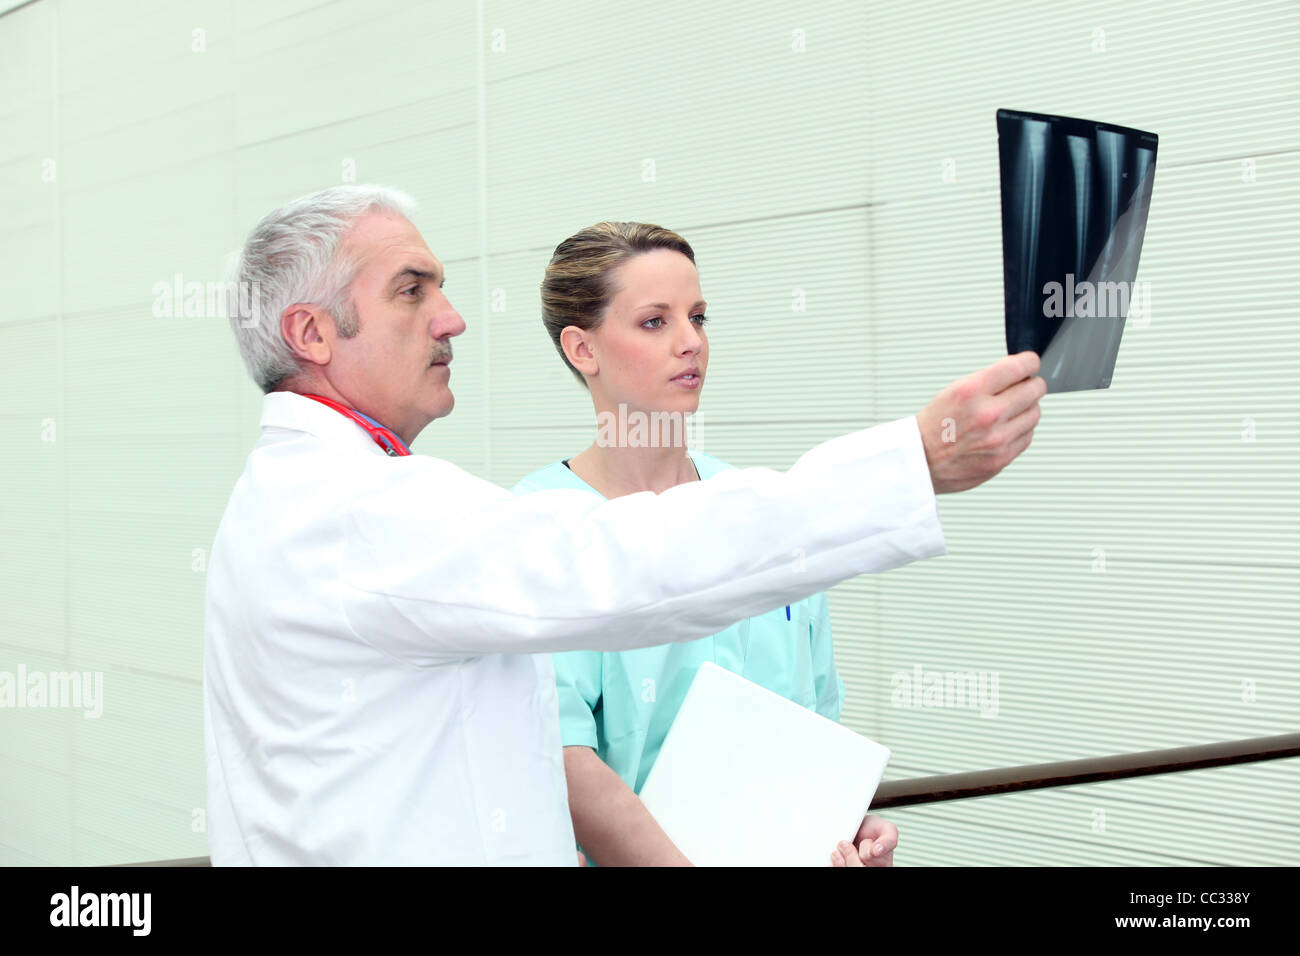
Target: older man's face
396,369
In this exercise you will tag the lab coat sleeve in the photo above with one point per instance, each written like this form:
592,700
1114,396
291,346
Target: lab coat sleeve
826,678
438,565
577,684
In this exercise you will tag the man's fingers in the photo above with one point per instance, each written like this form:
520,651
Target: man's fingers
1026,421
1007,371
1019,445
967,430
1024,394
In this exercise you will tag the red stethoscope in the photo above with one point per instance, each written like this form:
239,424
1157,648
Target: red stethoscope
384,437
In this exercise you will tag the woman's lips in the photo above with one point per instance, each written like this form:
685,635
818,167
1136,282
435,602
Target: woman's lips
687,380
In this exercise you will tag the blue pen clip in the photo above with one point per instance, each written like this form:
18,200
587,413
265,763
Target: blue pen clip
787,612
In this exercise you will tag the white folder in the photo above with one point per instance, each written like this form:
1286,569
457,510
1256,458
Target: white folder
746,777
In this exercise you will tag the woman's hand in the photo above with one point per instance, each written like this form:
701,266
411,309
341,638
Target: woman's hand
873,846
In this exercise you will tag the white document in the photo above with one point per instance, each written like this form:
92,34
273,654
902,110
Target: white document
746,777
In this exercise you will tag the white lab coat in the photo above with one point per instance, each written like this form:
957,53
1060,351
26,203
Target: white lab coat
375,688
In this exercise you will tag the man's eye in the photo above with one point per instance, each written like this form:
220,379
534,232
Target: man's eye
415,288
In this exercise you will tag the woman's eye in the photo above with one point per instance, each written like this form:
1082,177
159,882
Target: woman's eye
658,321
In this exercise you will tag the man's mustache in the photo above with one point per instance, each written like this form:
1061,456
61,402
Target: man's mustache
441,355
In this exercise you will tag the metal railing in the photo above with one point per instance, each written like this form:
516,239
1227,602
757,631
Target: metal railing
1063,773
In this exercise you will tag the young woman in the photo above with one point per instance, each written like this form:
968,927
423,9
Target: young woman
622,304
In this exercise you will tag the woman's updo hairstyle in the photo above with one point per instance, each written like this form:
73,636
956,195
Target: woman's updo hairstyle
579,284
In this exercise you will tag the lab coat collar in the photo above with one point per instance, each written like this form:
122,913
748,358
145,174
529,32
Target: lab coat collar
292,411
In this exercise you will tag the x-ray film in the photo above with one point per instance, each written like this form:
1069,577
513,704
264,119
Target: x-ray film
1075,196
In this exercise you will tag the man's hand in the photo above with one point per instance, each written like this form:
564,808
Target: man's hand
979,424
873,846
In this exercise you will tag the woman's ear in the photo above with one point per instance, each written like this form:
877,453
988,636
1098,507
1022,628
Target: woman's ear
576,343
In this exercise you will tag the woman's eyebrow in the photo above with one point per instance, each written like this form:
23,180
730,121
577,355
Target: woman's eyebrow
665,305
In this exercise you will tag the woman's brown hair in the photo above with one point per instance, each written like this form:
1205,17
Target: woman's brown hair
579,284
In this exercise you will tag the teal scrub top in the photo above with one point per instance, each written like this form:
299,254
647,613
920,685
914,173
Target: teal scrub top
622,703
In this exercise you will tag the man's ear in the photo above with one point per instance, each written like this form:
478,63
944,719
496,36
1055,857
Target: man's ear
309,332
576,343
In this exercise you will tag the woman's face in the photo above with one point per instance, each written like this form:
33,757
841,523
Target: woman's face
651,350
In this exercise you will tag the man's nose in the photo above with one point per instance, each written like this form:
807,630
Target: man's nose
447,322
